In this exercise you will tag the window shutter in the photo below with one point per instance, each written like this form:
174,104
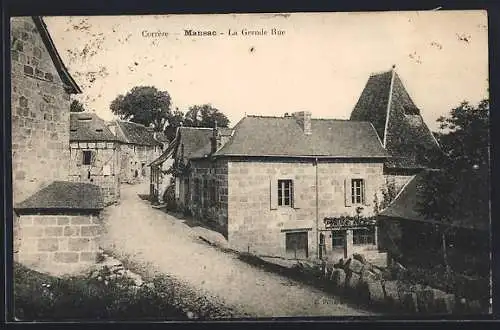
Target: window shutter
92,157
80,157
347,192
366,191
273,193
297,200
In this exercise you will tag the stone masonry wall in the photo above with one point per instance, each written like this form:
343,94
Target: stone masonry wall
204,210
255,227
58,244
106,154
40,113
132,158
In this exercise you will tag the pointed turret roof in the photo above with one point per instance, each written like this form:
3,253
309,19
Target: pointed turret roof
386,103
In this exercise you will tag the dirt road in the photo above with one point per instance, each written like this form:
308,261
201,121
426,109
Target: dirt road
150,236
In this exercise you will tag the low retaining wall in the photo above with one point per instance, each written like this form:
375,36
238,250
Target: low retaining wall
371,285
57,244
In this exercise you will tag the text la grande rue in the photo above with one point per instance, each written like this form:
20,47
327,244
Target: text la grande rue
258,32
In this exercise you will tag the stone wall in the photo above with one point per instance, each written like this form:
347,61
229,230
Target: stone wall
40,113
58,244
256,226
106,155
204,209
131,159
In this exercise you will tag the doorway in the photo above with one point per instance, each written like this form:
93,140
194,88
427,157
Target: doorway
297,245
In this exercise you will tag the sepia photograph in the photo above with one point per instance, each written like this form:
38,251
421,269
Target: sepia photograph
251,166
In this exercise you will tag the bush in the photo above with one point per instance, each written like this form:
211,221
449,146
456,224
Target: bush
169,198
39,296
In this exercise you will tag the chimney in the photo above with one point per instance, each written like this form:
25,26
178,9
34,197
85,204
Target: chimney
304,120
214,139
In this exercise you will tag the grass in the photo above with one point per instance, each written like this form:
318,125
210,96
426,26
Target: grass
41,297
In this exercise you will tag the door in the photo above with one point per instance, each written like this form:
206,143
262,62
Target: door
297,245
339,242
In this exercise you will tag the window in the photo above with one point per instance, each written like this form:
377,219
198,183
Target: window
363,236
358,191
296,245
285,193
338,239
87,157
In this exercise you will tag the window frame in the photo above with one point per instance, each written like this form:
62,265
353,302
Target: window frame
367,238
344,238
285,192
358,197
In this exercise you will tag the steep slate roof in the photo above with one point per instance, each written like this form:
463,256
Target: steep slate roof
406,206
134,133
194,140
71,86
284,137
387,105
61,195
87,126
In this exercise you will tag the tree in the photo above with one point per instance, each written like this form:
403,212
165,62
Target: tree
461,189
76,106
145,105
205,116
175,120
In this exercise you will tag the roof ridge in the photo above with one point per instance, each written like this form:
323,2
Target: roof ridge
131,122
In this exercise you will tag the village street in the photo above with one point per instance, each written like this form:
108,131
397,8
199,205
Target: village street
149,236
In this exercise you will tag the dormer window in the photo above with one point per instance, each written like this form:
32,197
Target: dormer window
411,110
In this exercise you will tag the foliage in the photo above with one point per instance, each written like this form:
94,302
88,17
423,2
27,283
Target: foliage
145,105
42,297
460,190
169,198
205,116
174,121
389,193
465,135
349,221
76,106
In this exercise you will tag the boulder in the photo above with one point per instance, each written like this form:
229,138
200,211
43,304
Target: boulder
409,301
426,300
359,257
353,281
474,307
355,266
391,290
338,277
367,275
445,304
375,292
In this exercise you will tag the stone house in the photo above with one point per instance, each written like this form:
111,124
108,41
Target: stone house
94,154
386,103
41,87
140,145
272,185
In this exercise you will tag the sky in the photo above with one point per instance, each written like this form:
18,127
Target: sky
320,63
